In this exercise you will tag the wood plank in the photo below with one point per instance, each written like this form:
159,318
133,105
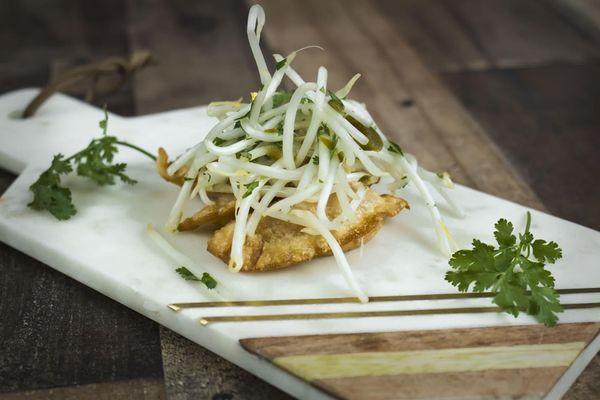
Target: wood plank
587,386
546,120
55,331
583,14
513,383
319,367
434,32
478,363
192,372
522,33
202,51
81,34
274,347
138,389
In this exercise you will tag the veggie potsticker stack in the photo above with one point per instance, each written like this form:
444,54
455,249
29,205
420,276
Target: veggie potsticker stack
288,175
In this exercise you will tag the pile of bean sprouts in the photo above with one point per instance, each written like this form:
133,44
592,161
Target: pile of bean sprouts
284,148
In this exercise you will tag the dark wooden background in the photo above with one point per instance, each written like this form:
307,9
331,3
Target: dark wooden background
520,77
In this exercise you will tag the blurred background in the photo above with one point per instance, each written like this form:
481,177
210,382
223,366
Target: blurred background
504,94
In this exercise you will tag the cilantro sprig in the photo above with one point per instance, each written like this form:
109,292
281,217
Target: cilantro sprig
206,278
514,271
94,162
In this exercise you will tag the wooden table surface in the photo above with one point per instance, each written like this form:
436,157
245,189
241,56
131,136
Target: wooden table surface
503,94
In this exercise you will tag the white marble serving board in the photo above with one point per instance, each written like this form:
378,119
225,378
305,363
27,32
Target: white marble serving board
105,246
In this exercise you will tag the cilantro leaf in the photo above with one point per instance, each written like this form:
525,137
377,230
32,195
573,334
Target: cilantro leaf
315,160
49,195
94,162
520,283
206,279
545,305
504,233
546,251
186,274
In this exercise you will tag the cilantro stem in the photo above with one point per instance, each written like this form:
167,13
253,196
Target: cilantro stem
126,144
528,223
134,147
74,156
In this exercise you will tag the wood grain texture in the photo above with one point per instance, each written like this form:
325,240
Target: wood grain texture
274,347
582,14
320,367
57,332
138,389
522,33
537,114
512,383
202,50
496,362
439,38
192,372
38,39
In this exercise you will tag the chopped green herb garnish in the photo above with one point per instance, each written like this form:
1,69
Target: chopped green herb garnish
315,160
368,180
281,97
250,188
218,141
280,64
94,162
514,271
394,148
323,130
244,154
329,142
206,279
375,143
335,102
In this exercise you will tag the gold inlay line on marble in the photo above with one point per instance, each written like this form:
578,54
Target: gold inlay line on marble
369,314
340,300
